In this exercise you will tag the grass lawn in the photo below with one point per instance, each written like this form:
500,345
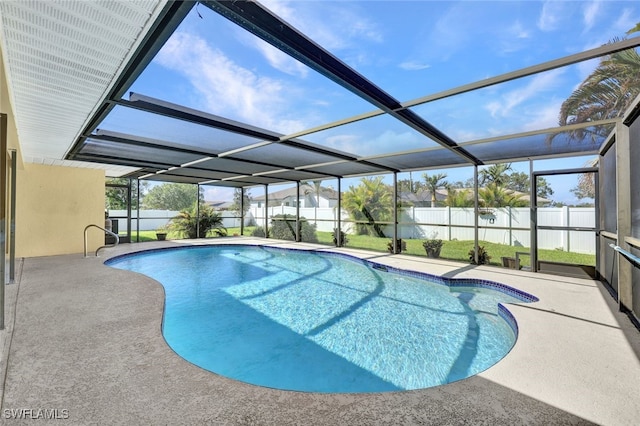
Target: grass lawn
451,250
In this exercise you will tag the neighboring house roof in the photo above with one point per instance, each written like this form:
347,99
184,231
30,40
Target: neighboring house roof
422,196
220,205
327,193
520,195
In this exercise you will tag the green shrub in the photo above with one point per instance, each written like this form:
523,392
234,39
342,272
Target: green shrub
343,238
432,247
483,256
283,227
258,232
400,246
186,223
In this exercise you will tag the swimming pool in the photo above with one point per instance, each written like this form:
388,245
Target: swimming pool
325,322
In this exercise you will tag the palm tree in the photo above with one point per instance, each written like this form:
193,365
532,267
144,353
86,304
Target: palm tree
606,93
186,223
433,183
493,195
634,29
369,201
459,198
495,173
316,185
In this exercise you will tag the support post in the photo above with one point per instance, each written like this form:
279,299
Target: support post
395,213
3,198
448,222
510,225
138,210
298,236
266,210
599,226
476,211
12,225
197,210
242,211
129,211
533,218
623,202
339,228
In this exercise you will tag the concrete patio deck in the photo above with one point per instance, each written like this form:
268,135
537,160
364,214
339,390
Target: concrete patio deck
85,339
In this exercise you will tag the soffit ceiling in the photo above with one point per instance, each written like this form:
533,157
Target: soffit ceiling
61,59
70,64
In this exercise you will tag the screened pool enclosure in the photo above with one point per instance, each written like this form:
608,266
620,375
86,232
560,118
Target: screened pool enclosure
358,173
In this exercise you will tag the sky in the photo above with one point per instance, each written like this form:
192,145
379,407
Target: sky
410,49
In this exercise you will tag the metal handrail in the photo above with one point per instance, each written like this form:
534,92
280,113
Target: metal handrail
101,247
627,255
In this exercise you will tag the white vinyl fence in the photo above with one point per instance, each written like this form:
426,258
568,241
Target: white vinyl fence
150,220
499,225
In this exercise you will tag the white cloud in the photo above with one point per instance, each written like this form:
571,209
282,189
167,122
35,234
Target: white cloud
226,88
344,142
585,68
334,26
544,117
550,16
516,97
513,38
218,193
590,13
392,141
278,59
449,32
384,142
518,30
626,21
463,135
413,65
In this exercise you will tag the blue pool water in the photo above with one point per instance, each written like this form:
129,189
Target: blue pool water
306,321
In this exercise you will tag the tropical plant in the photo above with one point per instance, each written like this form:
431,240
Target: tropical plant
433,247
494,195
606,93
161,233
483,256
316,188
283,227
494,174
459,198
258,231
434,182
369,202
343,238
409,185
400,246
186,223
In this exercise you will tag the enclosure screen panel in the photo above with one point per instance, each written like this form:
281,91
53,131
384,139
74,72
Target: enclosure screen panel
285,156
538,145
298,175
634,152
236,167
126,151
608,203
183,133
421,160
345,169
